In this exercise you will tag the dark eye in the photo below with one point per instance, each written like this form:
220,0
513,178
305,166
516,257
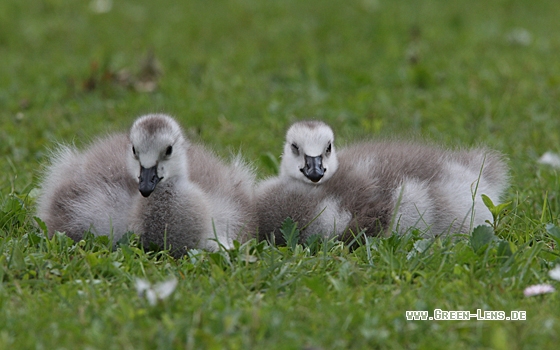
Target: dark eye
134,152
168,151
328,150
295,149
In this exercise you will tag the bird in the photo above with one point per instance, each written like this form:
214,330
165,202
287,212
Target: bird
87,190
200,201
189,197
376,187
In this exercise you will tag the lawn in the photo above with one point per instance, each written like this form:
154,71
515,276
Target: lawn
236,73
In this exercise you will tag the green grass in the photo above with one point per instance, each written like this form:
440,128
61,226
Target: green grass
236,73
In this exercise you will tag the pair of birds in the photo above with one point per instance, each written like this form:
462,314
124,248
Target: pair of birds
172,193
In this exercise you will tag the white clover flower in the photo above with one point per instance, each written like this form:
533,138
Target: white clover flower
538,289
555,273
101,6
155,292
550,158
88,281
519,36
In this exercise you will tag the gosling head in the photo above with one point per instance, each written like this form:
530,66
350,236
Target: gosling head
157,151
309,153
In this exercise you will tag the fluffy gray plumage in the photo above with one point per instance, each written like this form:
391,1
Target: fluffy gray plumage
199,199
88,190
379,187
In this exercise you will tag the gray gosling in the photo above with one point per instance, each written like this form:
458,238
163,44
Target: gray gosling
88,190
379,187
190,198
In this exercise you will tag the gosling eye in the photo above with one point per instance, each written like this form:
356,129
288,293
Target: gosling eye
134,152
328,150
295,149
168,151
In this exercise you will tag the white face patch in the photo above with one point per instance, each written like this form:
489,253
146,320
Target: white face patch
313,139
148,159
157,140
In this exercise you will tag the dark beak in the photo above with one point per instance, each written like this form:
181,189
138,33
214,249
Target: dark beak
313,169
148,180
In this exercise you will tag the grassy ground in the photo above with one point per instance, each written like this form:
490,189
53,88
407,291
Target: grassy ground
236,73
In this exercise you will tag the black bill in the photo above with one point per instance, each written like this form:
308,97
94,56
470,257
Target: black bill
148,180
313,169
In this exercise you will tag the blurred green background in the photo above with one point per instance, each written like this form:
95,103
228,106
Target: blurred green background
236,73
